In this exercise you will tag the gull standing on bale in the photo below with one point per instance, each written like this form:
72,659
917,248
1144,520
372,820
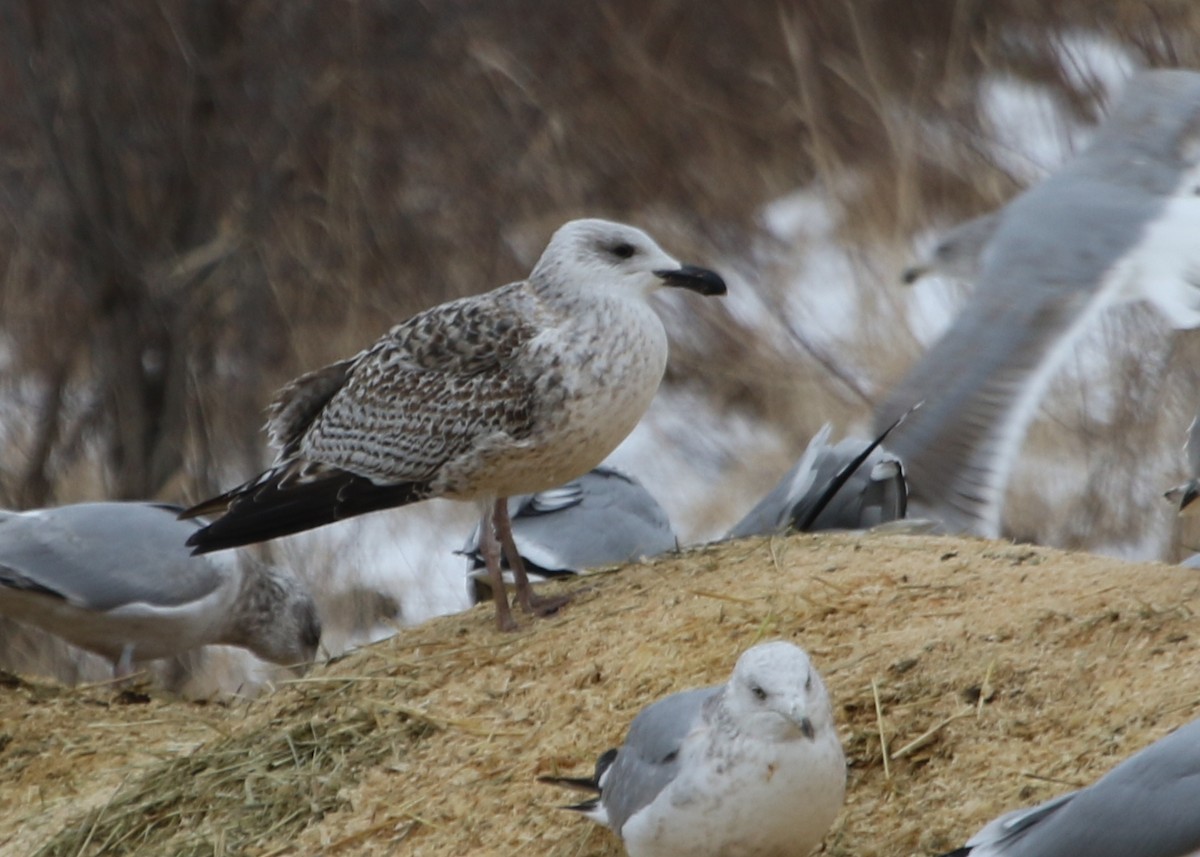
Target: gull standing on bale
116,579
510,392
751,767
1118,223
605,517
1147,806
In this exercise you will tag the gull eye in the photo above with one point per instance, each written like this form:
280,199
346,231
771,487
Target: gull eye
758,692
624,250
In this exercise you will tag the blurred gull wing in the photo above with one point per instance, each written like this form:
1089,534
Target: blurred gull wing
1118,223
1183,496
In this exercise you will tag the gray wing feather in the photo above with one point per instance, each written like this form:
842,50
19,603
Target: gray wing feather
1041,270
1192,449
1144,807
875,493
981,381
648,760
604,517
101,556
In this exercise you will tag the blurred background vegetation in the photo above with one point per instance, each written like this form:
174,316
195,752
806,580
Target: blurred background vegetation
200,199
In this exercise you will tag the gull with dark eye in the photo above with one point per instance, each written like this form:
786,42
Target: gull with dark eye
753,766
513,391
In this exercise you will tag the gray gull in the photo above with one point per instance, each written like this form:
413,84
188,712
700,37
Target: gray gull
1117,223
751,767
513,391
874,491
603,518
1144,807
116,579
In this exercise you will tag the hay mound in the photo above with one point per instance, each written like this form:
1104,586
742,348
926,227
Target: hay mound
969,677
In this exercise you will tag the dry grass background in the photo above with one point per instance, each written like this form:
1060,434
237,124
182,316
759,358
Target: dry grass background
968,677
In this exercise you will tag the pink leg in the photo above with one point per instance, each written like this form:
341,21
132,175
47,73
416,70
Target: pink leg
490,548
529,602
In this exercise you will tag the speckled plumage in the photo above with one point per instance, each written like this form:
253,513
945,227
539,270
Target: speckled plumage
509,392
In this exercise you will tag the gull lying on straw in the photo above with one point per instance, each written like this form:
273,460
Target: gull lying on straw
751,767
1147,806
510,392
116,579
604,517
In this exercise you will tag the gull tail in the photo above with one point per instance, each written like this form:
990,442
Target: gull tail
593,807
846,472
283,501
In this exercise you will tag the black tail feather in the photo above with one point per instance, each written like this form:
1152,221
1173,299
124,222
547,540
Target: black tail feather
836,483
583,784
265,509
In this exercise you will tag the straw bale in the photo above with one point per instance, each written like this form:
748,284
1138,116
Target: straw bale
969,677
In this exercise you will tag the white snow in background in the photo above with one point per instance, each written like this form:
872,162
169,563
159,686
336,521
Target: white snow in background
1032,134
684,452
1089,61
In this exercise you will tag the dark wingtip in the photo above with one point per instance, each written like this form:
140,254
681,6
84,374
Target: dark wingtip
694,278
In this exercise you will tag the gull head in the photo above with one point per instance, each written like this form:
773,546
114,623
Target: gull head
280,622
594,255
775,693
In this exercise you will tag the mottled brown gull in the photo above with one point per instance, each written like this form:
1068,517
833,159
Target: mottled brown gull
513,391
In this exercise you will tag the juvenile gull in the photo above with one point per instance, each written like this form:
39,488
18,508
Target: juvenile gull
605,517
1118,223
1147,806
751,767
510,392
116,579
874,492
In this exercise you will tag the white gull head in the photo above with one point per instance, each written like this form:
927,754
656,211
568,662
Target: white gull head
774,693
591,255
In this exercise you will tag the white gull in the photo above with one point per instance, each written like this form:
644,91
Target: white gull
751,767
